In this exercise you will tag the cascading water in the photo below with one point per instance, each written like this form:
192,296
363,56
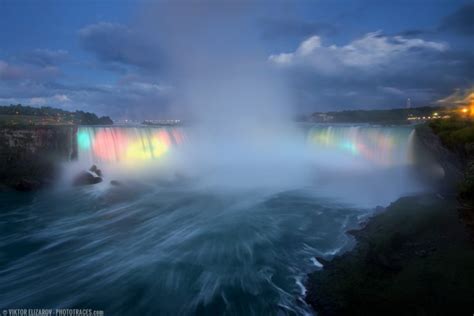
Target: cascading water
125,144
184,245
364,164
379,147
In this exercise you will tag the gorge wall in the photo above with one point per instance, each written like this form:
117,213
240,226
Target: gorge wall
30,156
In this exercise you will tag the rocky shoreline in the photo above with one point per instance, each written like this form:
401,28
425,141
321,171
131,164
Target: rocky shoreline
416,258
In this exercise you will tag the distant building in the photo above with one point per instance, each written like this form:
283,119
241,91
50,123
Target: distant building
161,122
322,117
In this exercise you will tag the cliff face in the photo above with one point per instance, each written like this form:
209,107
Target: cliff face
451,162
29,156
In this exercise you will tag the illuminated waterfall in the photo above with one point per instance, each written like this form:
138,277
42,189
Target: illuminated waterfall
125,144
340,146
379,146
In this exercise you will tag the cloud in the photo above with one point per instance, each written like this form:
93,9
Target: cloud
61,98
116,43
46,57
366,53
9,72
373,71
461,21
460,97
38,101
13,72
131,96
392,90
293,28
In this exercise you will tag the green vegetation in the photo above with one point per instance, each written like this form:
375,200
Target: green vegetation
391,116
13,115
454,133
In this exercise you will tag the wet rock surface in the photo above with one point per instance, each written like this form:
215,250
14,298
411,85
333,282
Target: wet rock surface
93,176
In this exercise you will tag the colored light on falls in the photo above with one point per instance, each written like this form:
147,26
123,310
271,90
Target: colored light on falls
154,148
113,144
378,145
83,140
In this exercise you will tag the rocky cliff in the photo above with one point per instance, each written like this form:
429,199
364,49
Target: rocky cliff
30,156
451,162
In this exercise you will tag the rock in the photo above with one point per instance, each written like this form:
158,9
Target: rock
322,261
96,170
31,155
26,185
379,209
115,183
86,178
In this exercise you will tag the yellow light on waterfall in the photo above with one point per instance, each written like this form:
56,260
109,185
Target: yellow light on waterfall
140,151
464,110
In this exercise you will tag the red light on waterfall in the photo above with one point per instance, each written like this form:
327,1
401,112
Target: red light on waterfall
164,138
109,145
178,136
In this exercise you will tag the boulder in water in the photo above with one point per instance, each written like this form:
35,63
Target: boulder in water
96,170
86,178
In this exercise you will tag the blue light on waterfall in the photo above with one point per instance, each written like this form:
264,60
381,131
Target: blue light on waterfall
83,140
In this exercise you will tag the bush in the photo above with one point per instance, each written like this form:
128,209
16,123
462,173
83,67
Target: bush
454,133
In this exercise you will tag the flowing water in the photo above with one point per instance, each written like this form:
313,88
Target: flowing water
175,239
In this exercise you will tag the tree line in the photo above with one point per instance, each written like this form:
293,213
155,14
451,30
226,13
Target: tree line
77,117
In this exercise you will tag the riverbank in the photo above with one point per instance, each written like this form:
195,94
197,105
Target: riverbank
415,258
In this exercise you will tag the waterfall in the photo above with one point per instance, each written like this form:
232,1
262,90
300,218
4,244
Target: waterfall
122,144
370,165
342,145
375,146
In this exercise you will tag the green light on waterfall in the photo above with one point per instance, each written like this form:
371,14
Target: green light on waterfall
83,140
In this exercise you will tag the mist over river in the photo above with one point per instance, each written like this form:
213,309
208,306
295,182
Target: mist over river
221,227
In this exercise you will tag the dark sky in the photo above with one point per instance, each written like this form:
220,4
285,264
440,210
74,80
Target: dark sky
128,59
